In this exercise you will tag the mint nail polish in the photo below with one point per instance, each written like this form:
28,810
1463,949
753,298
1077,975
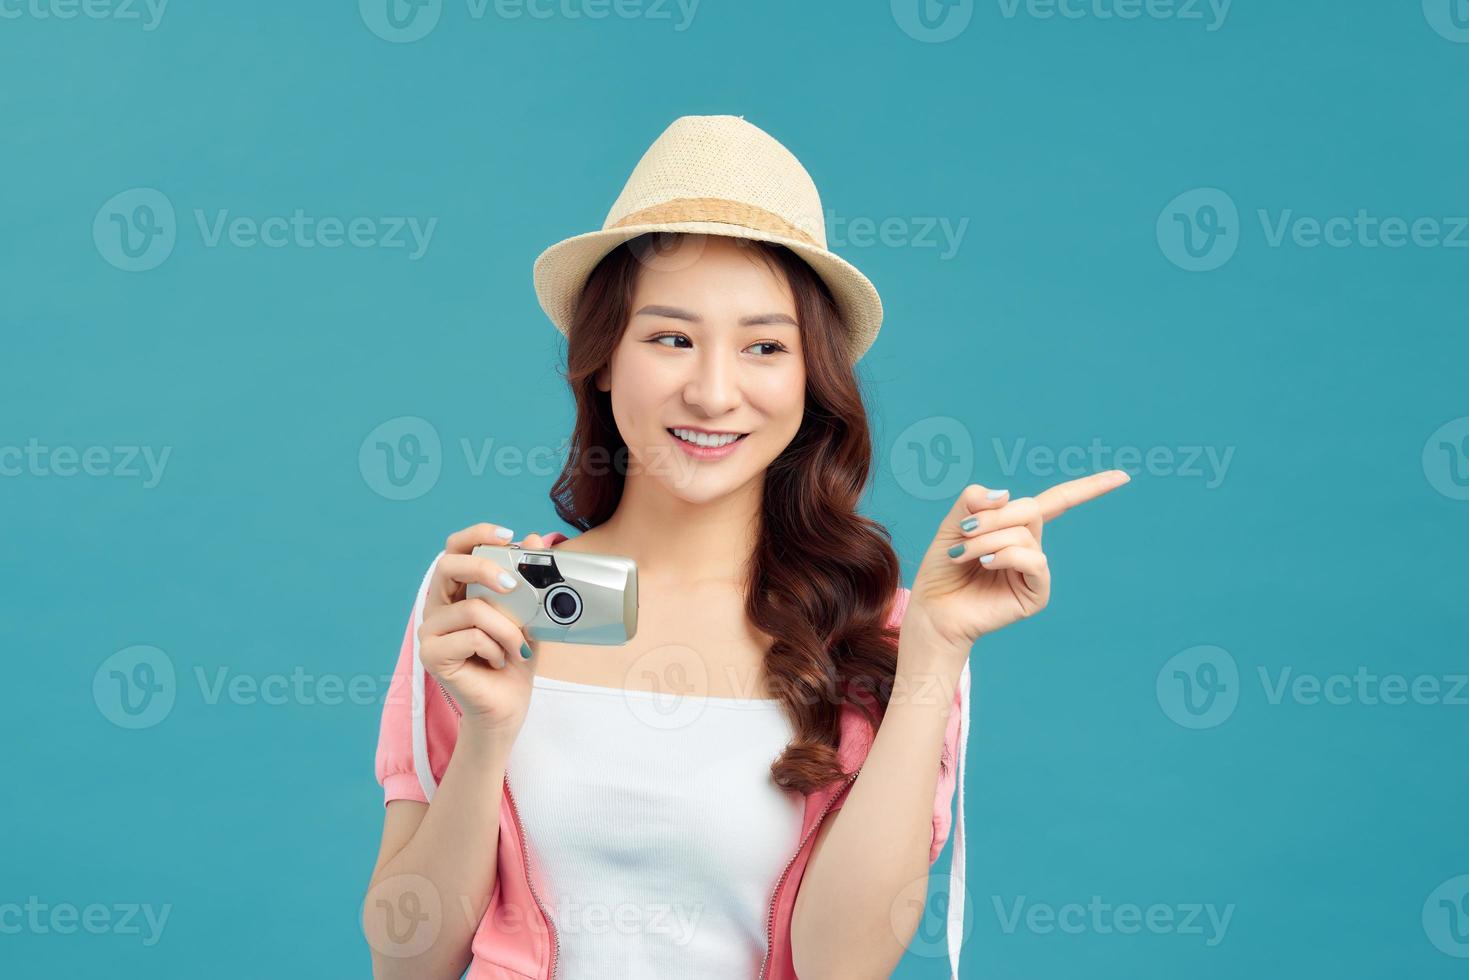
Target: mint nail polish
969,523
956,551
524,651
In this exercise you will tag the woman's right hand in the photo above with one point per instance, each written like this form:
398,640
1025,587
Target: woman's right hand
471,647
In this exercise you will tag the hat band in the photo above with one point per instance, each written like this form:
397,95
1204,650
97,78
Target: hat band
717,209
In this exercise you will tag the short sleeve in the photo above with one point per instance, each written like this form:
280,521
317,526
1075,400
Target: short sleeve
418,725
943,800
948,771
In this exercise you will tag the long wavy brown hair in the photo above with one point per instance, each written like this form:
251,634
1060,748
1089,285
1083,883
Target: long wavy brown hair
822,577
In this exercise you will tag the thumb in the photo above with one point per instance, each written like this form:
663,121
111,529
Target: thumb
534,542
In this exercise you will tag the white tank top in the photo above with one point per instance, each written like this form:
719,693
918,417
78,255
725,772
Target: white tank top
655,831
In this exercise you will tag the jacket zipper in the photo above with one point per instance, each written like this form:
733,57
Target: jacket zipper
525,862
524,851
770,919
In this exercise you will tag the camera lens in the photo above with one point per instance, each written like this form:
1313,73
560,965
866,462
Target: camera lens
563,604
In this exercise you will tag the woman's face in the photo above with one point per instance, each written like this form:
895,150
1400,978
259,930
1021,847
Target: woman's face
712,344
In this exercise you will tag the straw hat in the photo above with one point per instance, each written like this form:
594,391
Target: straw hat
714,175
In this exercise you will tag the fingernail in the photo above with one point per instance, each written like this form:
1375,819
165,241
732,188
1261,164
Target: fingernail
995,494
969,523
504,533
507,580
956,551
986,559
524,651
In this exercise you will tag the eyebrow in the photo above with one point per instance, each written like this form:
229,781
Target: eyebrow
674,313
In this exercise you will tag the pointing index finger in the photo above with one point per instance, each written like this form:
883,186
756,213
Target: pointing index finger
1063,496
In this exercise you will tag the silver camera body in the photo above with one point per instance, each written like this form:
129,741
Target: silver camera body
565,596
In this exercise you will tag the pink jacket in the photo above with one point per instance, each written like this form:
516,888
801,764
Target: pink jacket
516,939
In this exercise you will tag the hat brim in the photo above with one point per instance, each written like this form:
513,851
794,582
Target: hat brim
561,272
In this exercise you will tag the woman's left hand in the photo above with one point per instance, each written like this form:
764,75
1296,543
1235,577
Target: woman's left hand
996,573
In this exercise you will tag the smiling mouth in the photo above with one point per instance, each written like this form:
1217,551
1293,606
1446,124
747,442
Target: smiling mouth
704,441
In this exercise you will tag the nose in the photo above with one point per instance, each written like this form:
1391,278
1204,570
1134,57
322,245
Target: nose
714,386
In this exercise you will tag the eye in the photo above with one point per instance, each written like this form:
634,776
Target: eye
774,346
770,343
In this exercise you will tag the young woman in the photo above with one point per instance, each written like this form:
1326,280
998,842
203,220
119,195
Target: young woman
722,443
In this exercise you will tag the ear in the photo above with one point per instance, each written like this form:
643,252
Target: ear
604,379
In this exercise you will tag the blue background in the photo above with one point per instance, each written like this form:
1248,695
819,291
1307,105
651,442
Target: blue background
1332,542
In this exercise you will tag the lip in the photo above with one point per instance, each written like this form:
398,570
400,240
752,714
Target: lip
709,432
704,452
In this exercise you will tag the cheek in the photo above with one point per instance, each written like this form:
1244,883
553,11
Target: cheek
781,399
639,392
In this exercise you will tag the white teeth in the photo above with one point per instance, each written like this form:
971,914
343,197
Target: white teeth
703,438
